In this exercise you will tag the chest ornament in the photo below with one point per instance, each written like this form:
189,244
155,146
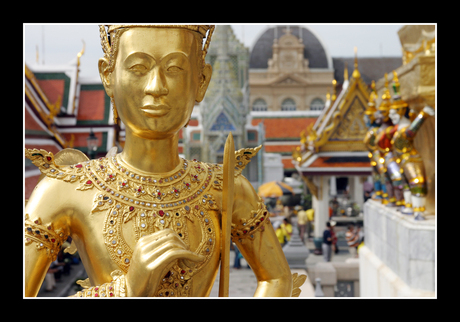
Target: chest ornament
154,203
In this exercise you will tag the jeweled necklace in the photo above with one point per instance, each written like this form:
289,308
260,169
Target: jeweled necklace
155,203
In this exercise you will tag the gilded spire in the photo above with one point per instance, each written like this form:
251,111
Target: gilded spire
80,53
371,103
334,95
345,72
356,73
386,96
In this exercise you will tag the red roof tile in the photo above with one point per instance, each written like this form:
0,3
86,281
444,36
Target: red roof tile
30,123
53,88
321,162
91,106
284,127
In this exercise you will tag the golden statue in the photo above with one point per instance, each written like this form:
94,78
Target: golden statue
383,147
373,123
146,222
409,160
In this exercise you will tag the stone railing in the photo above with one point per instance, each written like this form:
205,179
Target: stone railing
398,256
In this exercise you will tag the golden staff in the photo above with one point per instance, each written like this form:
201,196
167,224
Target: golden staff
227,210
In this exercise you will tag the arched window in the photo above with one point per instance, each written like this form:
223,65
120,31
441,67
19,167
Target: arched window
288,105
259,105
317,104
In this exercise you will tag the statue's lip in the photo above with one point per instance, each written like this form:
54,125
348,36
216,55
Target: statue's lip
155,110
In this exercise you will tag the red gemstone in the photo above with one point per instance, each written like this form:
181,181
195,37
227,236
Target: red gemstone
111,294
48,158
53,240
245,231
123,184
96,289
187,184
96,295
161,213
36,221
78,166
182,272
262,219
159,194
131,208
89,182
140,189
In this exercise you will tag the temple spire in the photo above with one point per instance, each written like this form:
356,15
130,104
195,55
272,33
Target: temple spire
356,73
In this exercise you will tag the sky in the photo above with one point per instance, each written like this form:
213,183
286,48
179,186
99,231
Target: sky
60,43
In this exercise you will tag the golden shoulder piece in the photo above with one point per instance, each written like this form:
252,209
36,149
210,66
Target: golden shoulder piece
243,157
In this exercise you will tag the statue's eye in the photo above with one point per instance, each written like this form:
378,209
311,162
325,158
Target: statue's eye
174,69
138,68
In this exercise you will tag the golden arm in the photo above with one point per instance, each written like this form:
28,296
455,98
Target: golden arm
259,245
45,230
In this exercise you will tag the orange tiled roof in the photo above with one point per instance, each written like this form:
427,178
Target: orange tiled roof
287,164
284,127
322,162
30,123
92,106
53,88
278,148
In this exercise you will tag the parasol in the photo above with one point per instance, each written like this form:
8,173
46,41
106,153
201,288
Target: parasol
275,189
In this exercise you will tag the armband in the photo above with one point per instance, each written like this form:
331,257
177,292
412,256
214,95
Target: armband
248,226
45,237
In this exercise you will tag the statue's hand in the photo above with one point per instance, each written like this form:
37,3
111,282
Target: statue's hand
152,257
429,110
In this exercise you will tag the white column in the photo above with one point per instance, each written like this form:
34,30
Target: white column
333,185
321,205
358,191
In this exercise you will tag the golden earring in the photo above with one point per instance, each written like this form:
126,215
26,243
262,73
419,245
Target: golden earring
116,119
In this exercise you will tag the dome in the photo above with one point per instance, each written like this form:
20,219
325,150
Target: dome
314,51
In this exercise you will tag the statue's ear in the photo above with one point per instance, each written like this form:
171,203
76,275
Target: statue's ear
106,75
207,72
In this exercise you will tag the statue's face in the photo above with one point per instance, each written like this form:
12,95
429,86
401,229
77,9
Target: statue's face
156,80
394,116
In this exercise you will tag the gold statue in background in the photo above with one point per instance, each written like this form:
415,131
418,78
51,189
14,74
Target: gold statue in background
406,156
146,222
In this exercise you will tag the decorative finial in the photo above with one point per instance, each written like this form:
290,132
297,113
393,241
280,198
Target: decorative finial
334,96
356,73
345,72
80,53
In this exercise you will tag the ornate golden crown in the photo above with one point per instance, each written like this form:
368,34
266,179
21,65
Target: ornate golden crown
109,37
398,103
385,104
370,110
